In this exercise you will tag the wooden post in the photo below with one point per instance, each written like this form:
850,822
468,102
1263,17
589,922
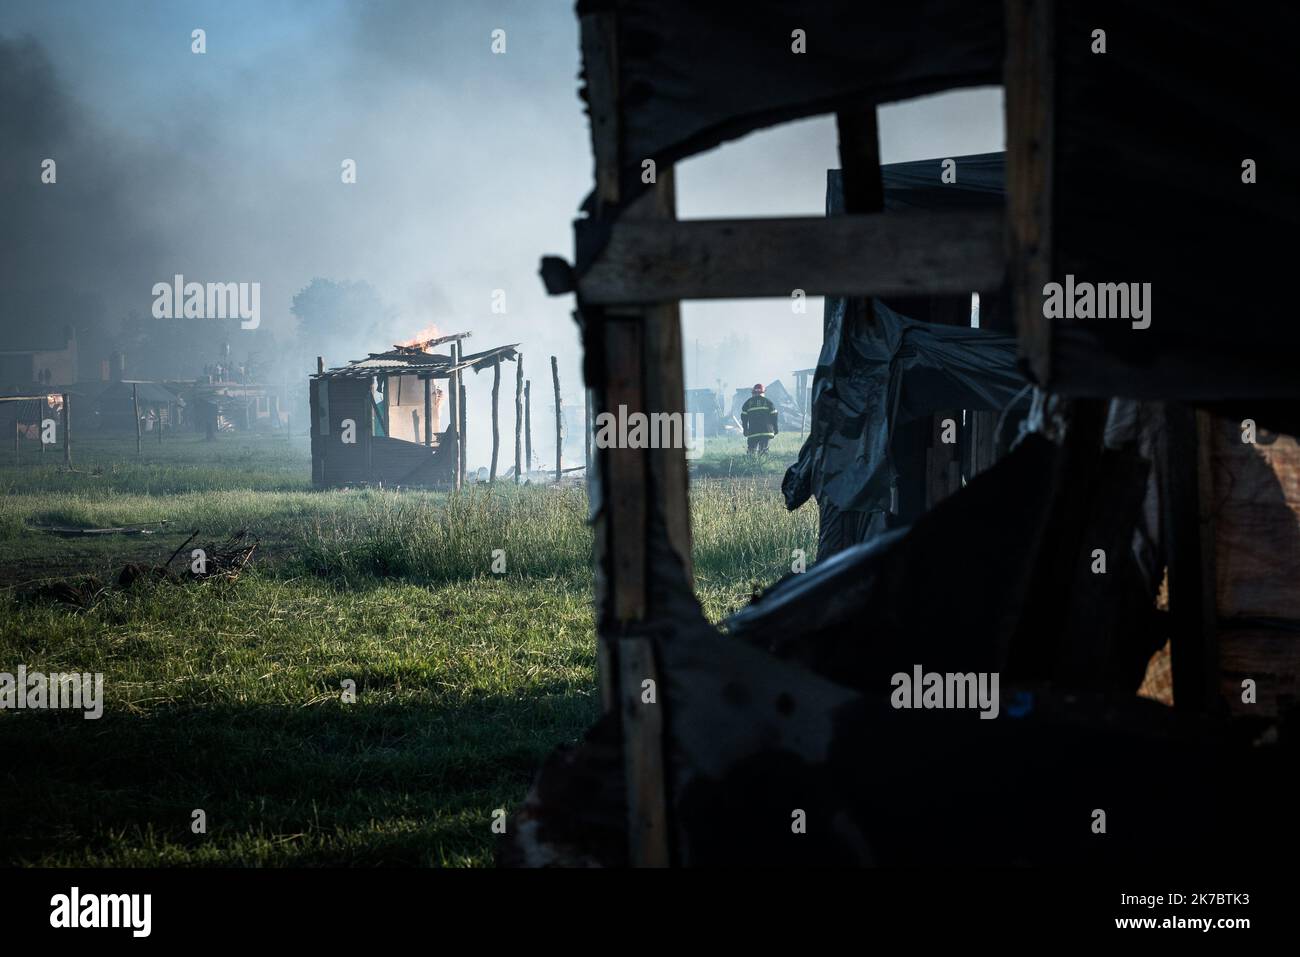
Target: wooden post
453,416
519,417
559,419
496,431
464,429
428,412
135,404
67,430
17,430
642,365
528,425
1029,84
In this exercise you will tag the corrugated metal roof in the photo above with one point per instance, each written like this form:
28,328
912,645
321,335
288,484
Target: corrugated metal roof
424,364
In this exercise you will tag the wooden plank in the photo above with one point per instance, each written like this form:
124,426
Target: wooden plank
666,392
643,753
624,474
1257,523
665,387
1030,90
650,381
1270,658
599,39
881,254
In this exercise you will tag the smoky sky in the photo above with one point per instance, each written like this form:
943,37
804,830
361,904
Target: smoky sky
225,167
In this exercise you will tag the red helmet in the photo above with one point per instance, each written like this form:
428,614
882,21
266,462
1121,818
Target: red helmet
758,387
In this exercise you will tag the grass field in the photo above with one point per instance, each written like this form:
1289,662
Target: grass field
226,696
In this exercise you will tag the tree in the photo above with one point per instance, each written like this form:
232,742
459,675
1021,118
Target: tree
343,318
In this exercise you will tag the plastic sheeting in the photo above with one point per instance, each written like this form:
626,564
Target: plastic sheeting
979,183
874,375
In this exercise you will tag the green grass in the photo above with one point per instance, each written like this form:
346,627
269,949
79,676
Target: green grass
727,457
183,462
226,696
228,700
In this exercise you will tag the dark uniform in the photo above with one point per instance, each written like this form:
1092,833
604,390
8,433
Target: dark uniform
758,418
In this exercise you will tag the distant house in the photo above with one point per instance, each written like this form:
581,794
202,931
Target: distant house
218,406
116,404
376,420
37,356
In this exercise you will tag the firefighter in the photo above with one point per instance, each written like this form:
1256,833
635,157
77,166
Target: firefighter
758,419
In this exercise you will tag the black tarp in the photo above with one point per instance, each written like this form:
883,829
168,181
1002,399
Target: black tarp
874,374
879,369
978,182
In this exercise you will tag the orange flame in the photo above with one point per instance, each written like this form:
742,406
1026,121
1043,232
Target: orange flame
427,334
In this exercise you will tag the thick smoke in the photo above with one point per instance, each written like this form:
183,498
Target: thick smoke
225,167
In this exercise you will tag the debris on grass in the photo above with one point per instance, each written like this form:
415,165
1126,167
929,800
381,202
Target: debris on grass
69,531
223,561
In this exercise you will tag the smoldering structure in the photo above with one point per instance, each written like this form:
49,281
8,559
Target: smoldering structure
375,420
1099,515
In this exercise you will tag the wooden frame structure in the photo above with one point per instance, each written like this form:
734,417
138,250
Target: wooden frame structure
629,297
637,261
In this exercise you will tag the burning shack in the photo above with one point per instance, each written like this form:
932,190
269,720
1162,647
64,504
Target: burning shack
376,421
